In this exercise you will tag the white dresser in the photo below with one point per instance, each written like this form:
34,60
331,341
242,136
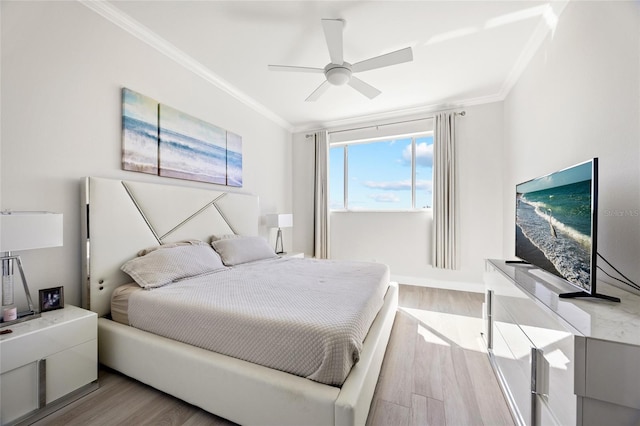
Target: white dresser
46,363
562,361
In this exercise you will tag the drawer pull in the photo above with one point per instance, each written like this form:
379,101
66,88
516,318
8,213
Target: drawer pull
42,383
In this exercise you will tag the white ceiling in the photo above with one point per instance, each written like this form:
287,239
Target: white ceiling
465,52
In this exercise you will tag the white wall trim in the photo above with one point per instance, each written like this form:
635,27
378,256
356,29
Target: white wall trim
141,32
473,287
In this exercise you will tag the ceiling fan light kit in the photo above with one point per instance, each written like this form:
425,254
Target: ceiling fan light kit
338,75
338,72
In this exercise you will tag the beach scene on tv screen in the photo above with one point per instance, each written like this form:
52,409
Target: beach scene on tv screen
553,224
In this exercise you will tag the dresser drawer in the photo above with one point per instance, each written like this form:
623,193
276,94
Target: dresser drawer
557,366
513,370
526,325
613,373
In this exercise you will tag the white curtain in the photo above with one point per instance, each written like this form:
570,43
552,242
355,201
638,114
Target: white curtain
444,249
321,213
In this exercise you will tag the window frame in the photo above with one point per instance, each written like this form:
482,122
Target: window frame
345,189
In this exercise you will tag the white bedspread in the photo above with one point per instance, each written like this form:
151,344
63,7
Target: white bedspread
304,316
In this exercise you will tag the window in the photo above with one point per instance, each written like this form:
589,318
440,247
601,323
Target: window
395,173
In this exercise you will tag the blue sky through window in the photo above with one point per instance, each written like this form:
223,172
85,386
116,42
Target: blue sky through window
380,174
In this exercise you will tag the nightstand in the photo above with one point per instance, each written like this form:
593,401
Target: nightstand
47,363
300,255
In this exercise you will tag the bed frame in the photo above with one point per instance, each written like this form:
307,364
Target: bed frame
123,217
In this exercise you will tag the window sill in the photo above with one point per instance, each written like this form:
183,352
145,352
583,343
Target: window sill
382,211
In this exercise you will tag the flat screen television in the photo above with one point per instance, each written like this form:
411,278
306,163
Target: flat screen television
557,225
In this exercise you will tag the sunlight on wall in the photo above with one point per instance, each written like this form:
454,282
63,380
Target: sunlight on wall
546,11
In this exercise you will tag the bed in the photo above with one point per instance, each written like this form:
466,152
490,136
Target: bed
122,217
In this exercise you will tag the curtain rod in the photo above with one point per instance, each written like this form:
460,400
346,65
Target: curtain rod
461,113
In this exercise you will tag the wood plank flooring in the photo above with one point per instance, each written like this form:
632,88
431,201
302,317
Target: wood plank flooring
435,372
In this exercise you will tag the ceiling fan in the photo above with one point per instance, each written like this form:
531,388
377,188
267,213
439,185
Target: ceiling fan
338,72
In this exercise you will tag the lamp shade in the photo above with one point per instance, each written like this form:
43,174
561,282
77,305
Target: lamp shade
30,230
280,220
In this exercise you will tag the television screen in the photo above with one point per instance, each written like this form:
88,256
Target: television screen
556,223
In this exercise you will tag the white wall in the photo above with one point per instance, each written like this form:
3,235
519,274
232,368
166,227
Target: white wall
62,70
402,240
577,99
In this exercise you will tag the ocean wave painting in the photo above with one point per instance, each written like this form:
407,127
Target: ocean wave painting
191,148
139,132
161,140
234,160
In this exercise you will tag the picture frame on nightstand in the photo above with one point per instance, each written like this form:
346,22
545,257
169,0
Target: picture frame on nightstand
51,299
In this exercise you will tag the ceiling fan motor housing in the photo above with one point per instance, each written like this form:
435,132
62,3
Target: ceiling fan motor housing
338,74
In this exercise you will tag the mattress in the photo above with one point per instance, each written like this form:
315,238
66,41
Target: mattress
306,317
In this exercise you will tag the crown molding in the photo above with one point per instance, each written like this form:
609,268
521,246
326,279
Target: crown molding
141,32
426,111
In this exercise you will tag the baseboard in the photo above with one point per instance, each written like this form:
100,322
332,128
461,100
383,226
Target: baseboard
473,287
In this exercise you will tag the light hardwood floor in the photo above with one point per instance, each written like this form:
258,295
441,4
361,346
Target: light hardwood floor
435,372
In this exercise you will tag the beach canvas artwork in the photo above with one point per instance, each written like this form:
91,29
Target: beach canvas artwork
234,160
139,132
161,140
191,148
554,221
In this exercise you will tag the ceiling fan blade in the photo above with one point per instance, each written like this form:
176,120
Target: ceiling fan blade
333,34
288,68
318,92
364,88
397,57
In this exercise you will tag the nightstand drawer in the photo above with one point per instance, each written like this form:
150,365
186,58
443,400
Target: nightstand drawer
42,337
71,369
18,399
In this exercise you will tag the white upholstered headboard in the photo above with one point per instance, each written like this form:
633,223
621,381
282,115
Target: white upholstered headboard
121,217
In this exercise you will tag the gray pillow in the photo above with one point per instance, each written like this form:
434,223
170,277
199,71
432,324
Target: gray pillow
218,237
172,263
235,251
171,245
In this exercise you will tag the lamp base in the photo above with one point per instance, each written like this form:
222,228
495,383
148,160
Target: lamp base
7,268
22,317
279,249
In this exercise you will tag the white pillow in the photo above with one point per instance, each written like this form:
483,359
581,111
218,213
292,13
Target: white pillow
172,263
235,251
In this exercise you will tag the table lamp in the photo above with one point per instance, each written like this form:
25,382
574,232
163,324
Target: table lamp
23,231
279,221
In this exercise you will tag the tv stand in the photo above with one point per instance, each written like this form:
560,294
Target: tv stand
561,361
575,294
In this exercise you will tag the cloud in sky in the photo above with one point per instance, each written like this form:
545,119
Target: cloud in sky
385,197
424,155
426,185
399,185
